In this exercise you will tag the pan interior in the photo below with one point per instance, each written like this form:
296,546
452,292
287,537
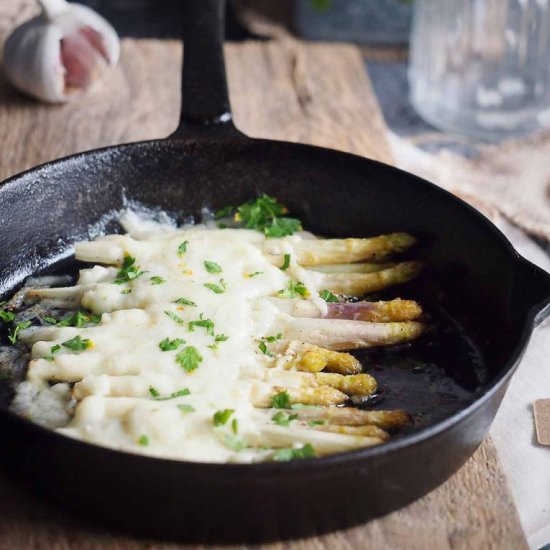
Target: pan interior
473,318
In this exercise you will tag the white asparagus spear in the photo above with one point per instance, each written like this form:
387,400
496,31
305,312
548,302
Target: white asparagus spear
378,312
350,416
364,267
339,335
309,252
358,284
323,442
310,358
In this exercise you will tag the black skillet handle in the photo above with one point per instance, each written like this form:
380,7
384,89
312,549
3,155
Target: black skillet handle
205,112
534,289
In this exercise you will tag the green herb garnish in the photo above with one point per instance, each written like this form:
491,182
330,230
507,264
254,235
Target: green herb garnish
283,419
235,426
221,338
328,296
316,423
171,345
224,212
290,453
13,334
234,443
174,317
221,417
55,349
256,273
186,408
156,280
185,302
6,316
263,348
189,358
143,441
182,248
78,344
280,400
205,323
79,319
218,289
272,339
265,214
126,291
212,267
156,394
128,272
286,263
294,289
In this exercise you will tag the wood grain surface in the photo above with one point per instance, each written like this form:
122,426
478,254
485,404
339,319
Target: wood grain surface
313,93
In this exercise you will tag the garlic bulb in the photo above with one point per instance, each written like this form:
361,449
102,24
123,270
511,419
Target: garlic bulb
61,53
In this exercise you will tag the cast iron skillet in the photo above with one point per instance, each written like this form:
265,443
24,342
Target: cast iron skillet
474,280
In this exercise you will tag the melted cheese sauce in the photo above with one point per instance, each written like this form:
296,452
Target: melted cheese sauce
121,387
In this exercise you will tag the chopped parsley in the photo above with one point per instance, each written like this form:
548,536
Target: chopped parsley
13,334
262,346
186,408
313,423
128,272
290,453
286,263
143,441
185,302
294,289
283,419
156,394
78,344
189,358
217,288
221,338
220,418
182,248
280,400
272,339
212,267
255,274
78,319
174,317
224,212
265,214
235,426
171,345
54,349
204,323
328,296
234,443
6,316
156,280
126,291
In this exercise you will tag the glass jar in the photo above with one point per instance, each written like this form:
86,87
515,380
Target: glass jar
481,67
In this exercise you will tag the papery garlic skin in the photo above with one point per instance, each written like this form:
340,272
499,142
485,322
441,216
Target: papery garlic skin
61,53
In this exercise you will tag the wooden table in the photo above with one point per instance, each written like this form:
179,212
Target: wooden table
314,93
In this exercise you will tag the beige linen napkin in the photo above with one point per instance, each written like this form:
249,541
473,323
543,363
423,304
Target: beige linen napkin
526,464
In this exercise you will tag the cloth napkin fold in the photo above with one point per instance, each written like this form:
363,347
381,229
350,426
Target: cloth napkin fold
526,464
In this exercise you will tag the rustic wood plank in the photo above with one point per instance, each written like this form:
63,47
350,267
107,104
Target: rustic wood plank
283,90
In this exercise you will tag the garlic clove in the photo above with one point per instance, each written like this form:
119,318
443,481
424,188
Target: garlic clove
61,53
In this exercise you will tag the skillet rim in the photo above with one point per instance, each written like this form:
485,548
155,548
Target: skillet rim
318,463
